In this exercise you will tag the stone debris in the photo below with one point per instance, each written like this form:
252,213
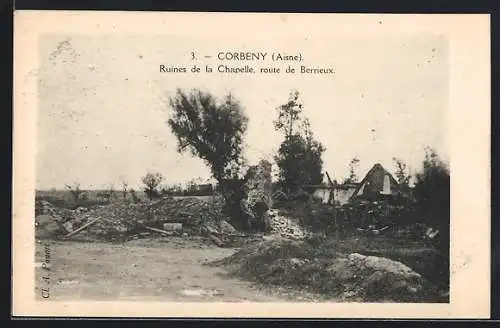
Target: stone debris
375,278
61,215
286,227
226,227
259,185
121,221
68,226
376,263
259,198
172,226
223,234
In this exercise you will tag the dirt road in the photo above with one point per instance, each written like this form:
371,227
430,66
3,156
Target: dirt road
170,269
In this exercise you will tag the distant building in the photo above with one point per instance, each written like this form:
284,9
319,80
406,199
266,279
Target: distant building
323,193
377,184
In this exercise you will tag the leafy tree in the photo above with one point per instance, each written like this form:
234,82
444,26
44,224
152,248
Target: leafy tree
299,156
401,172
432,191
353,167
432,194
211,130
289,115
152,183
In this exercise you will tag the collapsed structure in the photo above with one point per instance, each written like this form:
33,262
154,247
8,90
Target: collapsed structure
376,201
259,199
377,184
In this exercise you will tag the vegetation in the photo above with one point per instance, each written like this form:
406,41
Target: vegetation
75,191
432,195
124,186
211,130
353,167
402,175
107,193
135,198
299,155
152,182
66,199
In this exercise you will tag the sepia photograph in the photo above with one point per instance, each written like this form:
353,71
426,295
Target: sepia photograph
195,168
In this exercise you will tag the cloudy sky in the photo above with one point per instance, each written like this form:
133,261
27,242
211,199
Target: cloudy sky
103,103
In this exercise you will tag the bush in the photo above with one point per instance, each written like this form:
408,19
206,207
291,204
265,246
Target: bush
152,182
432,194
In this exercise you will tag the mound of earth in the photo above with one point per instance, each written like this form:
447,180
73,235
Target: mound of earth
354,277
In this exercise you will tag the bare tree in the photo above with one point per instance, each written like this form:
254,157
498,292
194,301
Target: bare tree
124,186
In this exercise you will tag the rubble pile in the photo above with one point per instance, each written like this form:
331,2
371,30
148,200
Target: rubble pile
43,207
121,221
259,199
114,222
50,220
286,227
259,185
192,212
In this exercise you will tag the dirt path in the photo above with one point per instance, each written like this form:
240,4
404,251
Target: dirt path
169,270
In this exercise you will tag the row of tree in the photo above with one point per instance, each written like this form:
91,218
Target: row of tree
215,132
153,187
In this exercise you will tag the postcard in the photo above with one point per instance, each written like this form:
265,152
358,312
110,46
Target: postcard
251,165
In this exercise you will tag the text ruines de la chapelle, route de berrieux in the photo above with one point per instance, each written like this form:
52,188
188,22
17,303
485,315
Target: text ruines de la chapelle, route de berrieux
241,62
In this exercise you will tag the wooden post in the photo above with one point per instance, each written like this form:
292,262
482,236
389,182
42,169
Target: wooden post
82,227
332,196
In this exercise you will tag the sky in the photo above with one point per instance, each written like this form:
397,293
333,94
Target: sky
103,103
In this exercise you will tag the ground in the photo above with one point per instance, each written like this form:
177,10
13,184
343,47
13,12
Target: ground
175,268
166,269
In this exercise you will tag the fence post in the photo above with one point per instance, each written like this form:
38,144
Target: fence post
332,197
